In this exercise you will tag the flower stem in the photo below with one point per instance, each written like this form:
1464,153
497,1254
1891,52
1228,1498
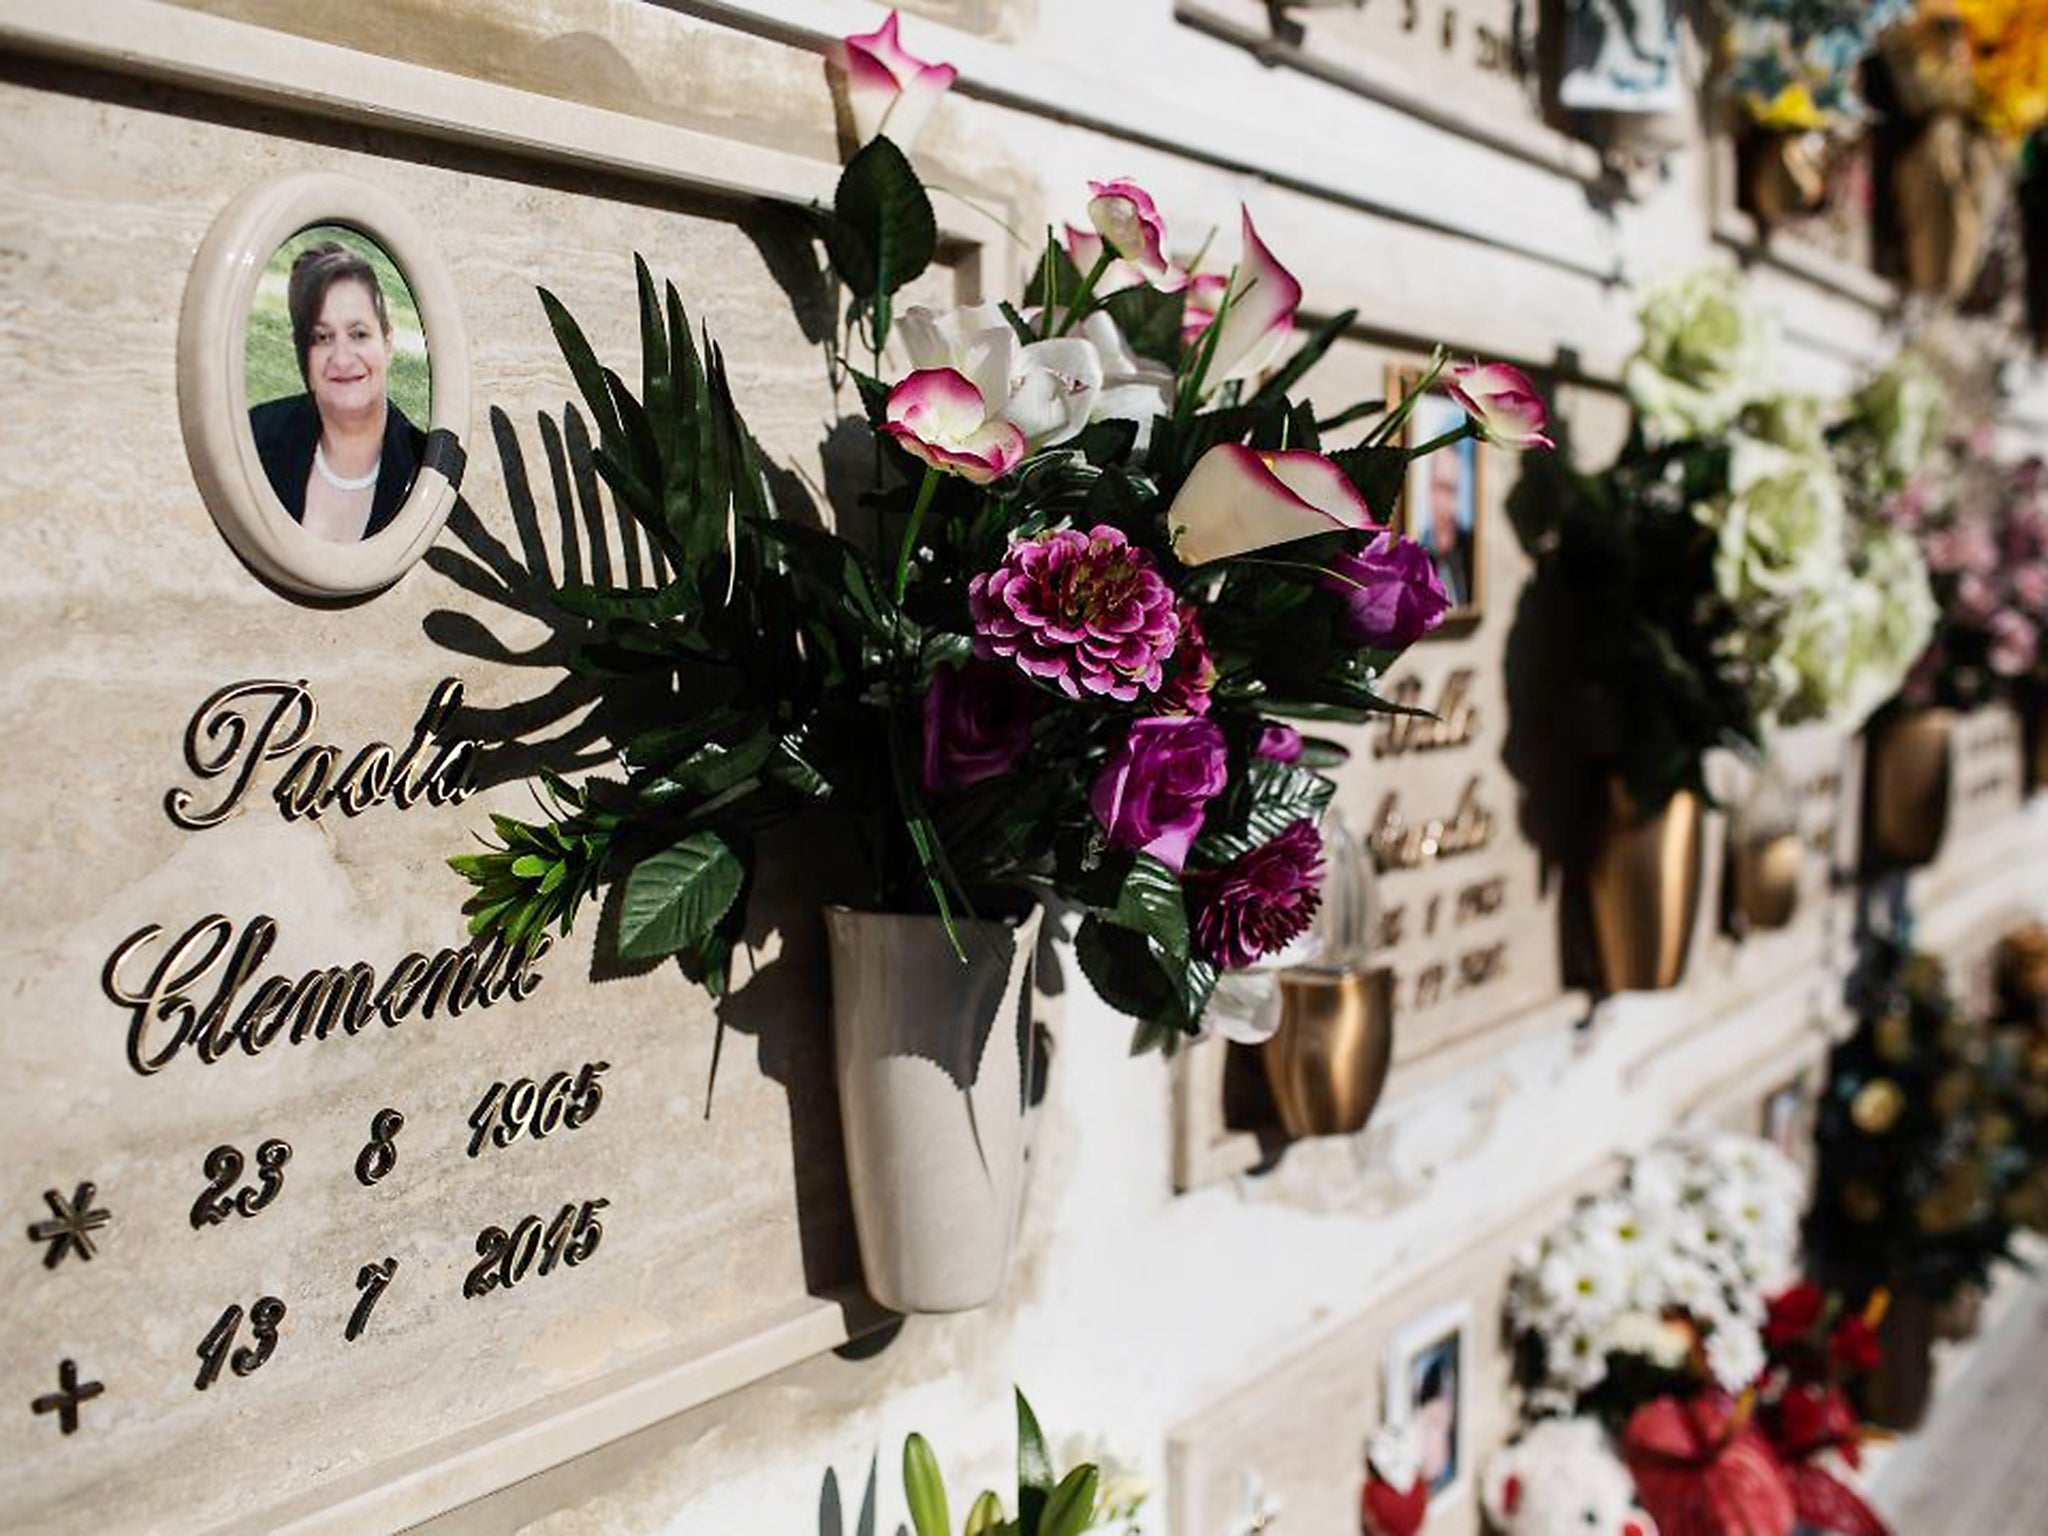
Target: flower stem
928,489
1085,294
1455,435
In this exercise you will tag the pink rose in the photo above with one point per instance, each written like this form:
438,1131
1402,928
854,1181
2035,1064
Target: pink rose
2014,644
1502,401
1126,218
1153,792
977,724
2030,586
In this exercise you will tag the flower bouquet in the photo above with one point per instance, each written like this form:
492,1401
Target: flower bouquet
1113,548
1115,553
1707,586
1658,1288
1791,74
1645,1311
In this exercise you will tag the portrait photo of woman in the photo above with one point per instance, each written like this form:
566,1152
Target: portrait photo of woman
1425,1366
338,362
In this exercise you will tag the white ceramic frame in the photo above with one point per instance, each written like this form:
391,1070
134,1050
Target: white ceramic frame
213,396
1402,1347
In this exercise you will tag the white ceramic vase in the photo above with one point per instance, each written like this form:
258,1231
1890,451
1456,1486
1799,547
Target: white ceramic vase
932,1055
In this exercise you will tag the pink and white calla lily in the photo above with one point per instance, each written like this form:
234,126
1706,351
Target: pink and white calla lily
1502,401
1263,298
1240,499
938,416
889,90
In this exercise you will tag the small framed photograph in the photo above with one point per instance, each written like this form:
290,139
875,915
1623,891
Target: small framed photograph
1426,1366
1443,504
323,384
1787,1121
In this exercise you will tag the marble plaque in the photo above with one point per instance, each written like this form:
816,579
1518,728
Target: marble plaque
308,1202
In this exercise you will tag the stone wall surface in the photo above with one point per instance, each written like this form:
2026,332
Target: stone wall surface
685,1380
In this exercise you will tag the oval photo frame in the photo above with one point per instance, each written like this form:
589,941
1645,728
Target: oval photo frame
213,393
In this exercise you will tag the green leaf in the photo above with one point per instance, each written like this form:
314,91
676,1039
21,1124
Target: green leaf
674,899
1379,473
883,234
1150,902
1150,320
1072,1505
583,366
1034,1462
924,1489
1125,970
985,1518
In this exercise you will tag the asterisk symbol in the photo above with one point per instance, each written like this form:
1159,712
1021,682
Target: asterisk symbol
75,1221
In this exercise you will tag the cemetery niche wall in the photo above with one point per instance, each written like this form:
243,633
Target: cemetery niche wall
301,1167
327,1218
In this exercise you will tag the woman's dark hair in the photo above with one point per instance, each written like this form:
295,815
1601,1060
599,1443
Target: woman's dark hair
1437,1377
315,270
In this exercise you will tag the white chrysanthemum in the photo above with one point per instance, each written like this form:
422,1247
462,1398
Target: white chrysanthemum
1735,1356
1706,353
1652,1337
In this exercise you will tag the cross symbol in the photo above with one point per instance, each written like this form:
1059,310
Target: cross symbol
75,1220
69,1394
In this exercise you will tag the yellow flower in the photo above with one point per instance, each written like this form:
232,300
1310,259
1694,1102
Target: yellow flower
1792,110
2009,47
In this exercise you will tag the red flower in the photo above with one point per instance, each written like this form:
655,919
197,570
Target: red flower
1702,1470
1812,1418
1792,1314
1386,1511
1854,1347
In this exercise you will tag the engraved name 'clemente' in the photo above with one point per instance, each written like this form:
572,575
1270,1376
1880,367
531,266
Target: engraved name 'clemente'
167,1016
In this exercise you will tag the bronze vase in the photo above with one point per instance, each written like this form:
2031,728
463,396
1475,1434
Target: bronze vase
1328,1061
1906,788
1783,175
1764,875
1900,1389
1643,882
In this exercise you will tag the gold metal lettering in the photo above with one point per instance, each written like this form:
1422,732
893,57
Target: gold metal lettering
1398,844
247,724
1451,724
320,1003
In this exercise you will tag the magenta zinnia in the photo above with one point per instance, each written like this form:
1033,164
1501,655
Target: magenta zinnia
1086,612
1260,902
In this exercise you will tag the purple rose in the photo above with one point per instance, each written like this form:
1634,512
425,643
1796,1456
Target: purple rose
977,724
1152,793
1279,743
1392,595
1260,902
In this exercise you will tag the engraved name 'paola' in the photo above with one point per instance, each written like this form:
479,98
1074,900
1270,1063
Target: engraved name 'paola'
248,724
167,1016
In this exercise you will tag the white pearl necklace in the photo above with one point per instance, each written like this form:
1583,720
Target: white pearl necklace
343,482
